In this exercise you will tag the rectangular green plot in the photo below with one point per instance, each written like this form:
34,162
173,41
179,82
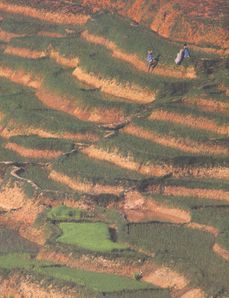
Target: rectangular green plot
90,236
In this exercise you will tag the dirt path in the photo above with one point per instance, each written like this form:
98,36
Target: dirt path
134,60
190,121
185,145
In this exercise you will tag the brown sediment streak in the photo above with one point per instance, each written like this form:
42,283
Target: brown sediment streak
50,34
7,36
32,153
224,89
33,54
164,277
136,61
221,52
219,250
139,209
153,169
18,286
194,293
212,230
185,145
23,130
128,91
77,185
20,77
93,114
212,194
17,198
65,61
210,105
41,14
191,121
24,52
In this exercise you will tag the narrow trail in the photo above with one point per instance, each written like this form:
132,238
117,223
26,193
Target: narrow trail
185,145
45,15
134,60
190,121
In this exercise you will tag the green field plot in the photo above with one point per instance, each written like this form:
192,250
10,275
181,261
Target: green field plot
135,39
194,257
63,212
11,242
90,236
35,142
21,104
88,169
100,282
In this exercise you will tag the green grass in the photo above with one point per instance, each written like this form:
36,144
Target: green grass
100,282
195,112
21,104
11,242
20,24
63,212
186,250
139,149
136,40
89,169
38,143
90,236
95,59
165,128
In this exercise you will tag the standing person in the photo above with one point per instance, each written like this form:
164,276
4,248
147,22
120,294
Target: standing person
186,51
152,62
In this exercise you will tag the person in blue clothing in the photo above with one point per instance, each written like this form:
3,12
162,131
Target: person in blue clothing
186,51
152,62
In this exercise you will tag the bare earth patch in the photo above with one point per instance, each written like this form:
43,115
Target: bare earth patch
24,52
7,36
138,209
191,121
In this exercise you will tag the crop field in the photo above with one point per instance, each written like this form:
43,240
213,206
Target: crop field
113,179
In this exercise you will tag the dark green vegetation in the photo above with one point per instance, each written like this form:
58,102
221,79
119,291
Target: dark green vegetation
92,221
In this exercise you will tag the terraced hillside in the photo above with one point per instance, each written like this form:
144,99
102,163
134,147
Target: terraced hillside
113,179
